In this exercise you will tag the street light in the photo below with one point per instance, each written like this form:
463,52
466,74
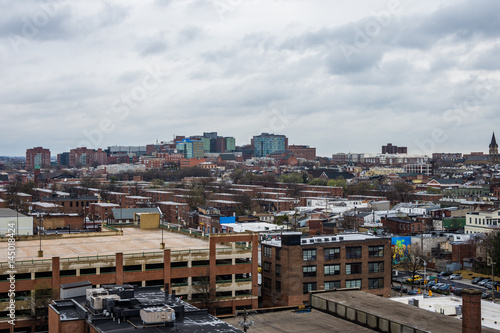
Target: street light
425,266
162,244
40,226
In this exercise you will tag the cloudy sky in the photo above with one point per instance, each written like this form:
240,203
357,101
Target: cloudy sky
340,76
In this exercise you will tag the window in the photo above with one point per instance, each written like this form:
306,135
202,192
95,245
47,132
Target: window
307,287
278,254
375,267
278,270
309,271
377,283
353,283
278,286
376,251
332,253
267,251
353,268
309,255
353,252
266,267
332,285
332,269
267,283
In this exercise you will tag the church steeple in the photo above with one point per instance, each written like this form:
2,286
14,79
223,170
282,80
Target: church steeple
493,144
494,150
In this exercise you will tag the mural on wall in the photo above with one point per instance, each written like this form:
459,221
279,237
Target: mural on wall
400,248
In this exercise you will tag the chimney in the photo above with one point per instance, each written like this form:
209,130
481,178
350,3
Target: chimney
471,311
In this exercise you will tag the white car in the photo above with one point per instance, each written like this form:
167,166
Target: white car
455,277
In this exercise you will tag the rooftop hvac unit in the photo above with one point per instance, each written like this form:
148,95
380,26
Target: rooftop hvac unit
156,315
96,302
96,292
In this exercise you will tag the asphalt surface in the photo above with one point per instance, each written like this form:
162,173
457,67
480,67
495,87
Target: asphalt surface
463,283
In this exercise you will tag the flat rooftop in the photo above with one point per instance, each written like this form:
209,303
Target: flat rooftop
490,312
7,212
294,322
133,240
394,311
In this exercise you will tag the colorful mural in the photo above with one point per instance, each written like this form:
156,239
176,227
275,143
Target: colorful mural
400,248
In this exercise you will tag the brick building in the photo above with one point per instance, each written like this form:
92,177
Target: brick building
85,157
37,157
293,265
403,227
228,263
390,149
73,204
303,152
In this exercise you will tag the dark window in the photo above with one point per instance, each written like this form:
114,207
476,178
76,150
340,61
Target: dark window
278,286
267,251
332,253
307,287
376,251
377,283
375,267
332,285
266,267
278,270
309,255
309,271
353,268
332,269
267,283
278,254
353,252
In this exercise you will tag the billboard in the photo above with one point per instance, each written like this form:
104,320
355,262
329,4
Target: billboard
400,248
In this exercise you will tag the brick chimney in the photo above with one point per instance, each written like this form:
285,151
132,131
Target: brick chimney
471,311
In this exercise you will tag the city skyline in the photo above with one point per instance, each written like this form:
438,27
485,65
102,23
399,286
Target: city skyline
341,78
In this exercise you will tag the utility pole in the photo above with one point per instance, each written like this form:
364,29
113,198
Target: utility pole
492,281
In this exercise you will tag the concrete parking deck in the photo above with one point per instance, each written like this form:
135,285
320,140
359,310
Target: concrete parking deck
133,240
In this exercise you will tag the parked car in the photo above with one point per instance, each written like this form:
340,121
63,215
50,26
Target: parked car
413,292
483,282
414,279
477,279
397,288
431,284
456,276
436,286
444,274
458,291
444,288
404,289
488,285
486,295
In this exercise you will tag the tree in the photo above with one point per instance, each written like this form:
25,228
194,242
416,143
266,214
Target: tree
88,182
411,264
493,249
295,177
197,197
339,182
205,293
41,296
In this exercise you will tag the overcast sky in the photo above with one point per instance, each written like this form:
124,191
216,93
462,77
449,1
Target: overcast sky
337,75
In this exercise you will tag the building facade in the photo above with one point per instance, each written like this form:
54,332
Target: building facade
293,265
266,144
37,158
303,152
483,221
191,148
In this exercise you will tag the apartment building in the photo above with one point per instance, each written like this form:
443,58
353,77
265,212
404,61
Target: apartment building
293,265
224,266
483,221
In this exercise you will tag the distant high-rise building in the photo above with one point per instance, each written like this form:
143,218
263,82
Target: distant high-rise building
390,149
230,144
37,158
84,157
266,144
191,148
63,159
